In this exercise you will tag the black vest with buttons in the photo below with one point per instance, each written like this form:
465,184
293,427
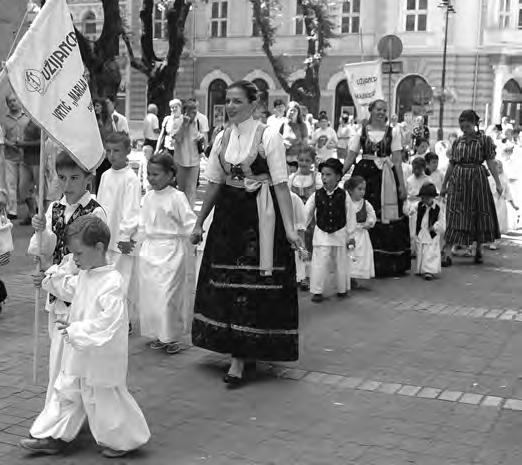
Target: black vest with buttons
330,210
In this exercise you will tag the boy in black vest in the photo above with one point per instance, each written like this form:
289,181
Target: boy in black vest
76,201
333,233
430,223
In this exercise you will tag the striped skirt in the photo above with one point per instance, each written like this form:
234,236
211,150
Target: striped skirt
237,310
470,211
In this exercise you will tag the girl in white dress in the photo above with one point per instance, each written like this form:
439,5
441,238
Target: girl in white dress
501,202
362,266
166,221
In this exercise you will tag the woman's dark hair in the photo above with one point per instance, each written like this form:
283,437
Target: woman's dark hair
353,182
249,88
104,113
471,116
371,106
165,160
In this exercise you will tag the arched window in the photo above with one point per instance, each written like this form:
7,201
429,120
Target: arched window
512,102
217,91
89,23
413,95
262,86
343,101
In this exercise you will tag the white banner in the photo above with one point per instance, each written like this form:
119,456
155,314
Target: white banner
365,83
47,74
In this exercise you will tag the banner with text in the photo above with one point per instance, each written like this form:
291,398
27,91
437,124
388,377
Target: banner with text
47,74
365,83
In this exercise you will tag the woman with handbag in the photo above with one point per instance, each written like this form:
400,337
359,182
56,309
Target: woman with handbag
170,126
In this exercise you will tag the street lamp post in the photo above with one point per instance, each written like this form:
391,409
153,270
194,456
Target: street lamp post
449,9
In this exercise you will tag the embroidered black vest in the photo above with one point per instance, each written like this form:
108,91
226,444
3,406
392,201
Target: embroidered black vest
362,215
381,148
59,225
433,217
330,210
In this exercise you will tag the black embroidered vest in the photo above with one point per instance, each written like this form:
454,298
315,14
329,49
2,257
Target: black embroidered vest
330,210
362,215
381,148
433,217
59,225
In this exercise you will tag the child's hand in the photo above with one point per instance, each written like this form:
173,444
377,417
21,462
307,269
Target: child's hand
38,222
38,278
62,326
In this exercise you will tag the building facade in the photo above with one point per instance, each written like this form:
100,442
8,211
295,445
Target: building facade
484,54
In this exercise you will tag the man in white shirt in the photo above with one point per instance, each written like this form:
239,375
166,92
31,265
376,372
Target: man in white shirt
278,118
151,126
119,122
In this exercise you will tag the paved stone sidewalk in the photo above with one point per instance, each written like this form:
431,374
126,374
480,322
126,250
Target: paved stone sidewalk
410,373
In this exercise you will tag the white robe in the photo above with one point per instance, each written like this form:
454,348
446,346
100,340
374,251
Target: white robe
45,249
93,370
119,194
363,266
166,222
330,250
426,247
501,201
300,226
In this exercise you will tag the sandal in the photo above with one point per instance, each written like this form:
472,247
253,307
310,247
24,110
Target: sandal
157,345
172,348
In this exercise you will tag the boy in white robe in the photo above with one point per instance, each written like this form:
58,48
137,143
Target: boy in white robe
430,223
334,231
76,201
119,194
92,379
413,184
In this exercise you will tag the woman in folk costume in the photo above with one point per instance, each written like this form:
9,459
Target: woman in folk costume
471,215
381,167
246,298
166,221
430,224
362,266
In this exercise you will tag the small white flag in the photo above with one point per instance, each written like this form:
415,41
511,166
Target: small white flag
365,83
47,74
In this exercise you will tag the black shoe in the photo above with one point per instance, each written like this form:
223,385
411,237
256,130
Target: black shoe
10,216
428,276
446,261
342,295
233,382
317,298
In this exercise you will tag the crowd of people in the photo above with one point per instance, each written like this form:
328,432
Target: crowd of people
291,203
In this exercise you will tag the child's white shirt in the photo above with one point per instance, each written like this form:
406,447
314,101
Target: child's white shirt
338,238
96,346
119,194
413,185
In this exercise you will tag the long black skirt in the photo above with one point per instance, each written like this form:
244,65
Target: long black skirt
237,310
390,242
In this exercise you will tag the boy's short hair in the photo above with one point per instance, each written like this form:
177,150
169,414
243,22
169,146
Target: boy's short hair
165,160
419,162
334,164
351,183
90,230
430,156
119,138
65,161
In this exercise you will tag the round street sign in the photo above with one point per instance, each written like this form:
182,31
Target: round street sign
390,47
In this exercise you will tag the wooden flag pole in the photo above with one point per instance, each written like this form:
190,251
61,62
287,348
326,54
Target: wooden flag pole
41,191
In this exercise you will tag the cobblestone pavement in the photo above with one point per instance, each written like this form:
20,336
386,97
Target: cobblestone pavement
409,373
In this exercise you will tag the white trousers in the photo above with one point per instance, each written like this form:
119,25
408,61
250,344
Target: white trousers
114,417
13,177
325,260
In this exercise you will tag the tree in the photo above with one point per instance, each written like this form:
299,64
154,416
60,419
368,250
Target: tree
161,72
100,56
319,30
